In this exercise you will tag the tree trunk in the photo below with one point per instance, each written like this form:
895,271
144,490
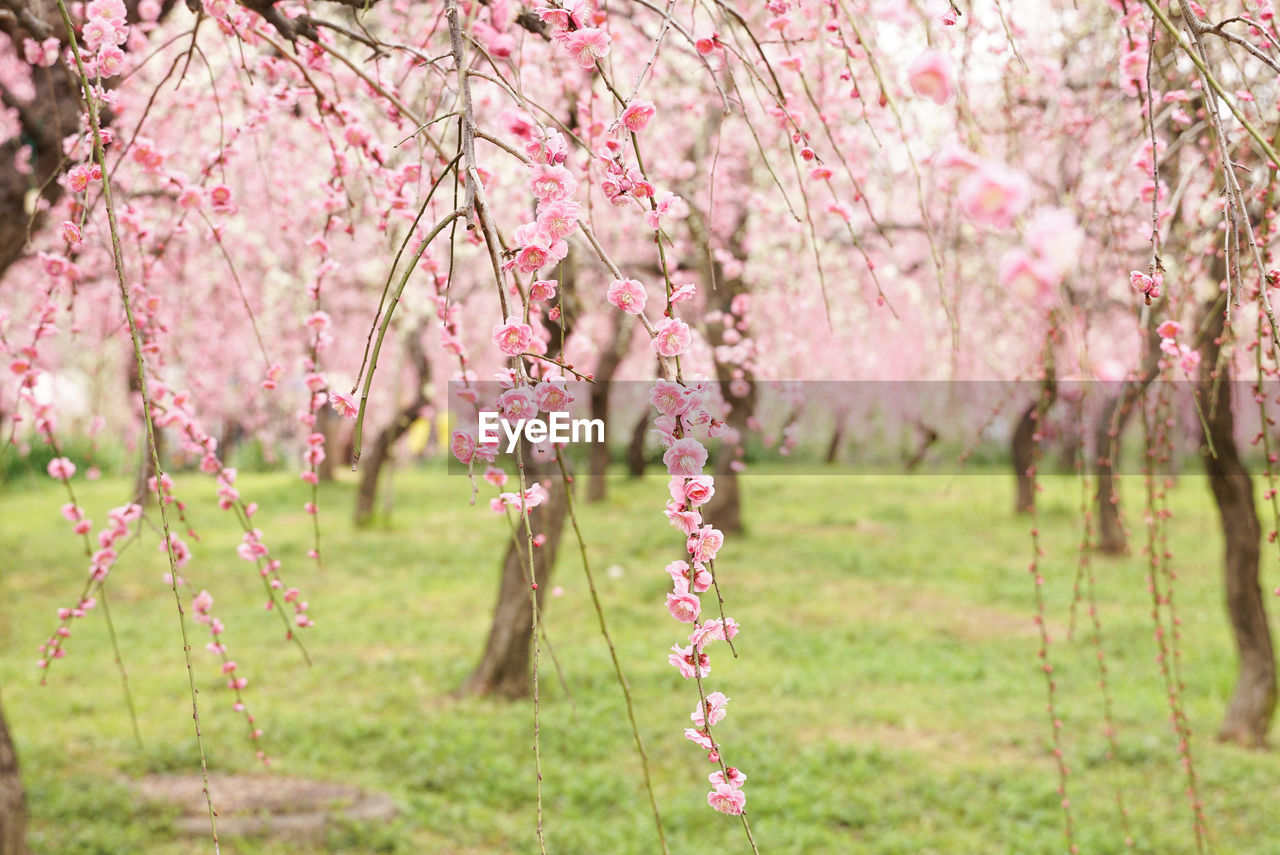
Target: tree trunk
1024,459
928,436
504,668
837,441
326,424
1253,702
13,808
605,371
1111,535
635,449
146,465
371,468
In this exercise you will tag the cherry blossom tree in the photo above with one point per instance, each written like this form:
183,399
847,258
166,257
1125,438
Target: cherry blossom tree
258,204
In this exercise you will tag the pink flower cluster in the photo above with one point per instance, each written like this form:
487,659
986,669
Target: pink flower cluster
682,409
100,564
1188,358
571,27
202,613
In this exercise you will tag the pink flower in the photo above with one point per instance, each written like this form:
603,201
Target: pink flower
699,490
669,209
1190,358
1169,329
670,399
518,403
930,77
552,183
671,337
463,446
343,404
534,255
110,61
686,521
700,738
727,800
637,115
79,177
713,630
70,232
684,607
61,468
513,337
220,196
552,396
558,219
733,778
72,512
685,457
587,45
627,295
683,658
1148,286
542,289
43,53
993,195
705,543
713,712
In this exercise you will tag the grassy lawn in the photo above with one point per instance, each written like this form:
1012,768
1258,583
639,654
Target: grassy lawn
887,700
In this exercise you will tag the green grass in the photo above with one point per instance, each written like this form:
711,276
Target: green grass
887,699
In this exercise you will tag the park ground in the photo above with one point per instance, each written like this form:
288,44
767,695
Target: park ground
888,698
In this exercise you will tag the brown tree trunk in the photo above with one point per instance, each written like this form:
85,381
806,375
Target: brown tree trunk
1024,459
1253,702
635,449
837,441
605,371
326,423
504,668
13,808
146,465
371,467
928,437
1110,533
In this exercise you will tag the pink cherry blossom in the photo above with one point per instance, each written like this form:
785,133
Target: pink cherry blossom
669,209
671,337
699,490
558,219
552,395
686,521
930,76
542,289
343,404
685,457
684,607
587,45
1169,329
61,468
713,711
518,403
512,337
994,195
727,800
637,115
552,183
705,543
731,778
683,658
669,398
628,295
